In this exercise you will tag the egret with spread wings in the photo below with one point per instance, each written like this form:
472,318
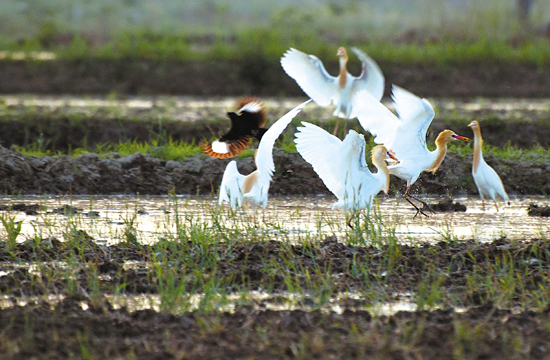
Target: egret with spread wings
324,89
253,188
342,166
405,134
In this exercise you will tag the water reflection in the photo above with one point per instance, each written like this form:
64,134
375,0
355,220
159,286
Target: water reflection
110,219
191,108
231,303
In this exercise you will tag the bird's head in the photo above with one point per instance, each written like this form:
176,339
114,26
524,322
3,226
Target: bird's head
391,155
448,135
342,53
474,124
380,152
379,155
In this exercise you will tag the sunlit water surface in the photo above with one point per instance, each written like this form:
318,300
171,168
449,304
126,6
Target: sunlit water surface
150,218
192,108
108,218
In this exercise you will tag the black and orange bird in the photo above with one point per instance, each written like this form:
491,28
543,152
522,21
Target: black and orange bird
246,123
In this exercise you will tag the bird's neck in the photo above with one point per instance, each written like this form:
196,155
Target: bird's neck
478,141
440,152
343,76
382,167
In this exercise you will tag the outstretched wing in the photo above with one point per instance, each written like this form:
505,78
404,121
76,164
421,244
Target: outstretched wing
231,188
375,118
311,76
416,115
371,78
225,149
264,156
245,124
321,149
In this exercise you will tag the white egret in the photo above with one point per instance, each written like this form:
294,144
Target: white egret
324,89
487,180
342,166
405,135
253,188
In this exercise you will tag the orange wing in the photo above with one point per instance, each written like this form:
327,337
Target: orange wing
245,124
231,149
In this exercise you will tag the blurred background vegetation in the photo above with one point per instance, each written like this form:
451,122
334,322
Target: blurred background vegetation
399,30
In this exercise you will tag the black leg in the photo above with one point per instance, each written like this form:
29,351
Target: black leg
425,205
418,210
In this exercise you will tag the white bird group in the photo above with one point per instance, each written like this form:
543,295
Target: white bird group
341,164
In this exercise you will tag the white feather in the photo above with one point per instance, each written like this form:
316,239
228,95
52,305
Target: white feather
324,89
251,107
371,78
341,165
220,147
258,194
311,76
231,186
488,182
405,136
317,147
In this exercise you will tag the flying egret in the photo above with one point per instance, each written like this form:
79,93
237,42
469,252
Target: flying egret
246,123
405,135
342,166
487,180
324,89
253,188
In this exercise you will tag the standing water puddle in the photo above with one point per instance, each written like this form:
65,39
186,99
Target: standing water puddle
108,219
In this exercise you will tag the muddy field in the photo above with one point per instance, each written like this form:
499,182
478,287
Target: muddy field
67,331
64,123
258,76
199,174
85,323
81,277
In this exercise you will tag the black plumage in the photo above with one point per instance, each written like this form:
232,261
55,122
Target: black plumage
246,123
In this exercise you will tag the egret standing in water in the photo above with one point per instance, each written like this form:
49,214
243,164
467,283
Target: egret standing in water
342,166
487,180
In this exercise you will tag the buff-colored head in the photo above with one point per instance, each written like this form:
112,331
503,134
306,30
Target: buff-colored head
342,53
474,124
379,156
380,153
447,136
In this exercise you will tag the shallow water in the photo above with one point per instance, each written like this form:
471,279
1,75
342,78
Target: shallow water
189,108
109,218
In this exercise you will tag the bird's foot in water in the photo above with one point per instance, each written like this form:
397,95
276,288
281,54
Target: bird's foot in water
425,207
420,210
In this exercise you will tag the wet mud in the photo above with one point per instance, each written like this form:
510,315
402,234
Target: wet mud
245,264
446,205
537,210
261,77
199,174
69,329
64,123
